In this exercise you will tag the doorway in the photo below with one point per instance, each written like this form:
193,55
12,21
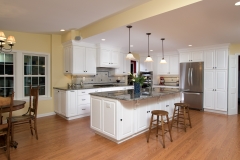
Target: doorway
133,70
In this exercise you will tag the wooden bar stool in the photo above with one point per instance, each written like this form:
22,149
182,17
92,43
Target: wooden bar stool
181,115
160,113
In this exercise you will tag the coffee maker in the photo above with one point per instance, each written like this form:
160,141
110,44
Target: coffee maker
162,81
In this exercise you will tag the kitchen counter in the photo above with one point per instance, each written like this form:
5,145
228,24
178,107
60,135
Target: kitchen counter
91,87
128,95
165,86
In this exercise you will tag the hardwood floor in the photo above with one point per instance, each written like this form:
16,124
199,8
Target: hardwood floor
213,136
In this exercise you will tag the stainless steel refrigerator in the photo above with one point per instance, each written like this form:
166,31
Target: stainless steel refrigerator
191,84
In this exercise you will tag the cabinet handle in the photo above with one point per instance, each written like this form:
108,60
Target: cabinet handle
83,109
120,119
72,91
83,92
58,91
86,71
213,89
66,71
213,67
83,99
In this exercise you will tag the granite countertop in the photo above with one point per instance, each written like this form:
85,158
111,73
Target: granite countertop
77,87
165,86
128,95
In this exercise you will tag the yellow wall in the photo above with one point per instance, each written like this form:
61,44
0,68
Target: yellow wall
234,48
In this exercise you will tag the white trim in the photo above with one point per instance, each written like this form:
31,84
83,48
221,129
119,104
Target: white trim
215,111
226,45
43,98
46,114
73,117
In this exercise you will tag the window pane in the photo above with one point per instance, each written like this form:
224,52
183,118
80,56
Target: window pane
27,60
34,81
26,91
8,91
42,90
1,69
27,70
2,92
1,58
34,60
9,69
34,70
1,81
27,81
42,81
9,82
41,60
41,70
8,59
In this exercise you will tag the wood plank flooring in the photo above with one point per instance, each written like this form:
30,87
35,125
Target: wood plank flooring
213,136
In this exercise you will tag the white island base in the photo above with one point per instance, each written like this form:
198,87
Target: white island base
120,120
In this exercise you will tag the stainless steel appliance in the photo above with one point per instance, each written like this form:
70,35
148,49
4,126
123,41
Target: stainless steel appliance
148,82
191,84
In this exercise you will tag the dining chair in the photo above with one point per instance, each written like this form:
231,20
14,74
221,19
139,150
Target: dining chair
5,128
29,117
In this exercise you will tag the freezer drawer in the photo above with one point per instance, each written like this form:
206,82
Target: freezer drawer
194,99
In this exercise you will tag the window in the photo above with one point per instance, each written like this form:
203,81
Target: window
34,73
6,74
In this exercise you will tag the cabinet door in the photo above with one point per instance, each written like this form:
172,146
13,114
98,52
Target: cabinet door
109,118
120,69
209,99
71,103
220,80
105,57
209,59
163,68
67,55
96,114
142,115
197,56
209,80
174,64
126,65
83,109
57,101
125,119
221,59
185,57
115,59
78,60
143,67
221,100
63,108
90,61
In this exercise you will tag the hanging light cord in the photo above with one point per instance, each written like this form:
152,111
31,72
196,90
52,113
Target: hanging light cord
148,45
162,48
129,39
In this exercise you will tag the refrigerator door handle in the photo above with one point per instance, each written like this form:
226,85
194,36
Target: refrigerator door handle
188,76
191,76
191,93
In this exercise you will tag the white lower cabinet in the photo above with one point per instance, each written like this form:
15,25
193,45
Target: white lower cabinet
118,120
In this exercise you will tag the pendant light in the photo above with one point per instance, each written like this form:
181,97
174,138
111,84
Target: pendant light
129,55
163,60
148,59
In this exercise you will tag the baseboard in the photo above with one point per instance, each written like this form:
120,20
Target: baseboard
215,111
73,117
46,114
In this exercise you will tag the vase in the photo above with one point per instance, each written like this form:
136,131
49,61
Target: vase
137,88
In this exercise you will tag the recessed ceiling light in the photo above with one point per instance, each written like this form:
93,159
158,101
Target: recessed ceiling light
131,45
103,39
190,45
237,4
62,30
151,50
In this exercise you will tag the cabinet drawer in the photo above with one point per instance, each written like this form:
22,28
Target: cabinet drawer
85,109
84,99
84,92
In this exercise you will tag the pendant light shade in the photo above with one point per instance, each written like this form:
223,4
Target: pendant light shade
130,55
163,60
148,59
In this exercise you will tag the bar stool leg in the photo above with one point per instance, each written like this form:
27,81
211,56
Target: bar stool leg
169,128
163,136
184,119
189,118
173,117
150,128
177,115
157,125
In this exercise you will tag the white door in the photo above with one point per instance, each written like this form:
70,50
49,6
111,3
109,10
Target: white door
209,59
174,64
163,68
57,102
233,85
90,61
142,115
96,114
209,89
209,99
221,100
71,103
78,60
109,118
220,80
197,56
63,108
221,60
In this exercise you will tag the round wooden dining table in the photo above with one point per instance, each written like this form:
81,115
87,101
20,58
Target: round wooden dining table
16,106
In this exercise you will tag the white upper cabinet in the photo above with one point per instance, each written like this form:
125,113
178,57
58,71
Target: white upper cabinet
79,58
193,56
169,68
216,59
107,57
145,66
124,65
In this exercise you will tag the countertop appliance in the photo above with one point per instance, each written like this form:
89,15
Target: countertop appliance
191,84
148,82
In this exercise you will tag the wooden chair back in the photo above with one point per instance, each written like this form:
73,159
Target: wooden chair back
6,101
33,101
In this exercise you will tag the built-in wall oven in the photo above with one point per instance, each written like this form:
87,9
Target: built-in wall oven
149,80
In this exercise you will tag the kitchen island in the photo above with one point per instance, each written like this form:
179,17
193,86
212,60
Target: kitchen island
121,115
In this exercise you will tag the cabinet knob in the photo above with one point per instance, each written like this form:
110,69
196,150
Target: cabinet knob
66,71
120,119
213,89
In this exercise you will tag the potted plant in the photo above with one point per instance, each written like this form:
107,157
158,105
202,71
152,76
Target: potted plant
138,82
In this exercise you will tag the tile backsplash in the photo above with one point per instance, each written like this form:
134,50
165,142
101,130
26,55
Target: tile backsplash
169,80
103,76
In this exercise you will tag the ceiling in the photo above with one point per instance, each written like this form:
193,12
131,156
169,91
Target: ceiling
208,22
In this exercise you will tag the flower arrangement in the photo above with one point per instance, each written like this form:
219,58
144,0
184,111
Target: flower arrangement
138,79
